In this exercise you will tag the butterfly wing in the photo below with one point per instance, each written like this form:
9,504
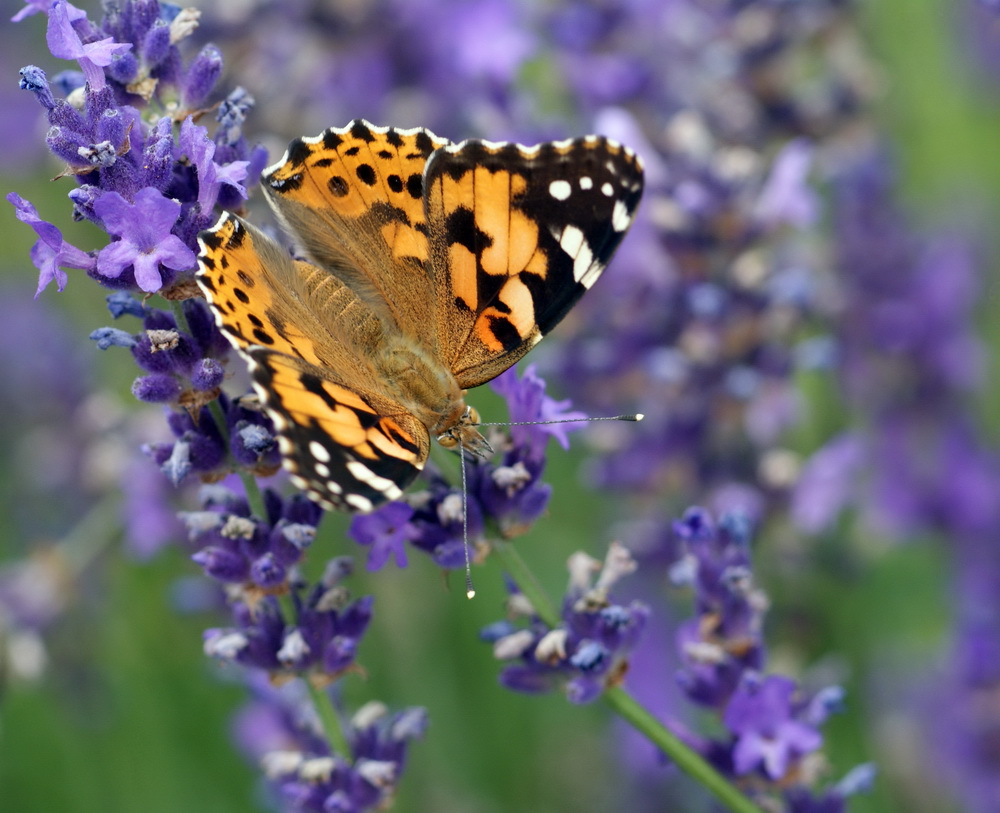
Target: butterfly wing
261,296
343,448
517,234
353,198
307,337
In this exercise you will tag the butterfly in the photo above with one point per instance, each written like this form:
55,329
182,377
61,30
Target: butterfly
432,268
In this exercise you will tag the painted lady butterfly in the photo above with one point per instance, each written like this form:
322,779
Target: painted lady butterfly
433,267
